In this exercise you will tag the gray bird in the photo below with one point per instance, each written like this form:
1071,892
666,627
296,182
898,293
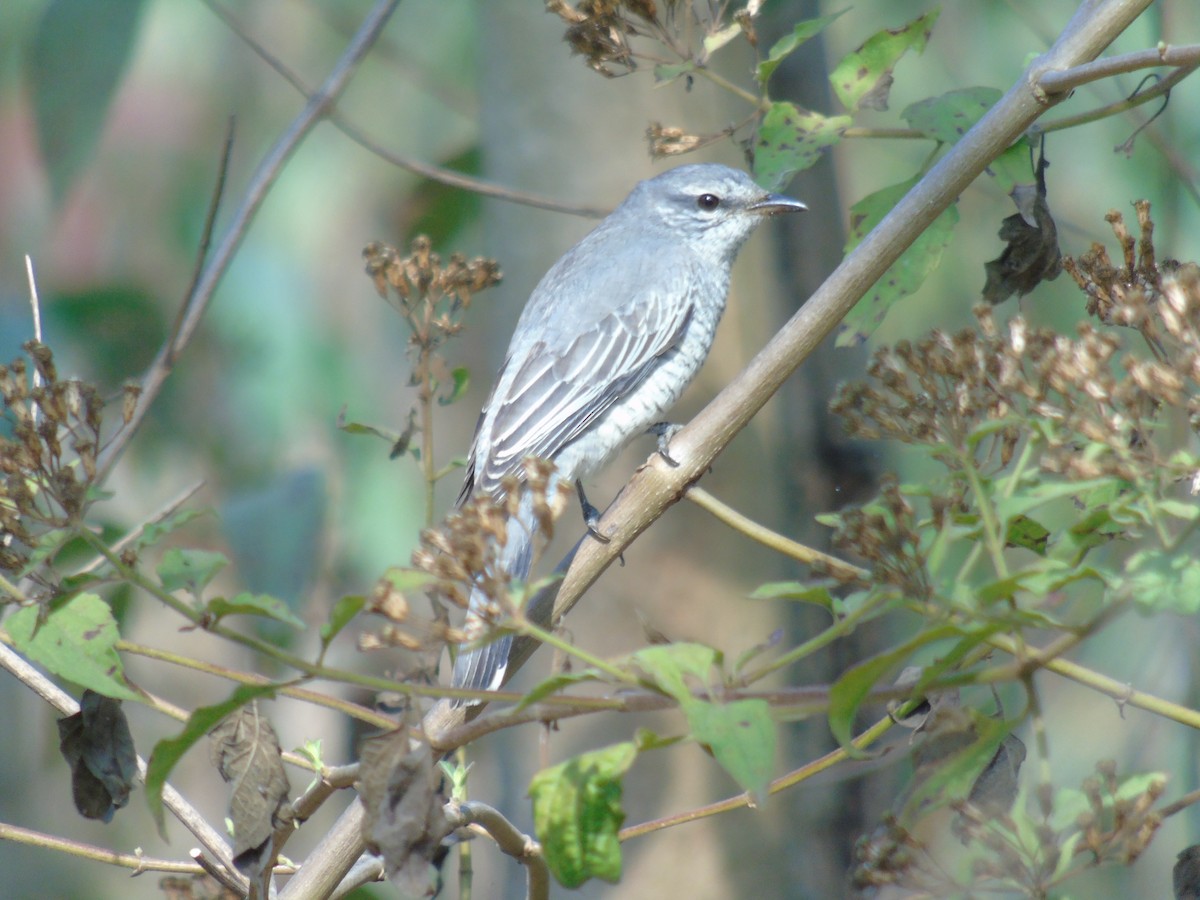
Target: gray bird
610,337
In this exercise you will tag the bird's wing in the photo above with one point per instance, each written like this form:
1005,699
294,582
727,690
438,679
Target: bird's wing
558,391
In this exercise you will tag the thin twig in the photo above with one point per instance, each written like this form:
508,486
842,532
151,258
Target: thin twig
162,515
773,539
206,233
345,707
417,167
1158,89
187,815
261,182
782,783
91,852
35,308
1062,81
511,841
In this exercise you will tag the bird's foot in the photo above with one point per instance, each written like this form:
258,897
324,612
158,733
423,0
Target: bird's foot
591,515
665,431
591,518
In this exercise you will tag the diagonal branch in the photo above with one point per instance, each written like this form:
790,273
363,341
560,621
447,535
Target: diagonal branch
447,177
1095,24
269,169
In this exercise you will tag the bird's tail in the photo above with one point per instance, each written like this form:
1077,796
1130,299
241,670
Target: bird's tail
481,667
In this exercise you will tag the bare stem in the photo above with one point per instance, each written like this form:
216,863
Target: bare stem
187,815
261,182
447,177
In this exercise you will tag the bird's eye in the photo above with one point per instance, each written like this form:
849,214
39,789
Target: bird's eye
708,202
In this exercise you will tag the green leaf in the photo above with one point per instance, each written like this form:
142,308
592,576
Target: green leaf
665,74
1179,509
190,569
791,140
671,665
407,580
577,814
75,63
1052,575
785,45
851,689
553,684
246,604
947,117
906,274
741,736
803,592
1013,166
1165,581
462,379
645,739
952,775
718,39
863,78
1028,533
169,751
156,531
343,611
77,641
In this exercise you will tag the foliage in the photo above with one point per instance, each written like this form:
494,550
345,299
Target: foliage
1061,493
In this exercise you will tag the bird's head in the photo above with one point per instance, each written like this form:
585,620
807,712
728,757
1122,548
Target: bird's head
713,208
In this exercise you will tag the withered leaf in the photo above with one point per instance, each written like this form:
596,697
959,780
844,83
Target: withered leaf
98,747
1186,875
245,750
995,790
405,822
1032,255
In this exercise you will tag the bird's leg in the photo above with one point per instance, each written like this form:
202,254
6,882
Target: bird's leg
591,518
665,431
591,515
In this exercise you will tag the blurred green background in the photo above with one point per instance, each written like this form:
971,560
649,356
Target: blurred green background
296,332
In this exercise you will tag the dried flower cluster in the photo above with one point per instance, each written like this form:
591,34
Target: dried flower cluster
599,30
430,296
1095,409
893,855
48,459
1116,827
666,140
1114,293
461,555
884,534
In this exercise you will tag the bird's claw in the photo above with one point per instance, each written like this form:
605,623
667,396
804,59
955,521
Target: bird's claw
665,431
591,518
591,515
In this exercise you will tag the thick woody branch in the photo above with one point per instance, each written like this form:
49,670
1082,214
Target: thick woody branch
1095,25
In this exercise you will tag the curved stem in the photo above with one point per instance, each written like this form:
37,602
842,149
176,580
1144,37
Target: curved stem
261,182
773,539
864,740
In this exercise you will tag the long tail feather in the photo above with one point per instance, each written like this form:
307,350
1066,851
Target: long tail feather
481,667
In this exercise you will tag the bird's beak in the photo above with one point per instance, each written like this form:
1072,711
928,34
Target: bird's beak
775,204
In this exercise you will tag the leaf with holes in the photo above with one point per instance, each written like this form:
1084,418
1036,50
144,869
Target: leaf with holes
906,274
77,641
863,79
577,813
791,140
